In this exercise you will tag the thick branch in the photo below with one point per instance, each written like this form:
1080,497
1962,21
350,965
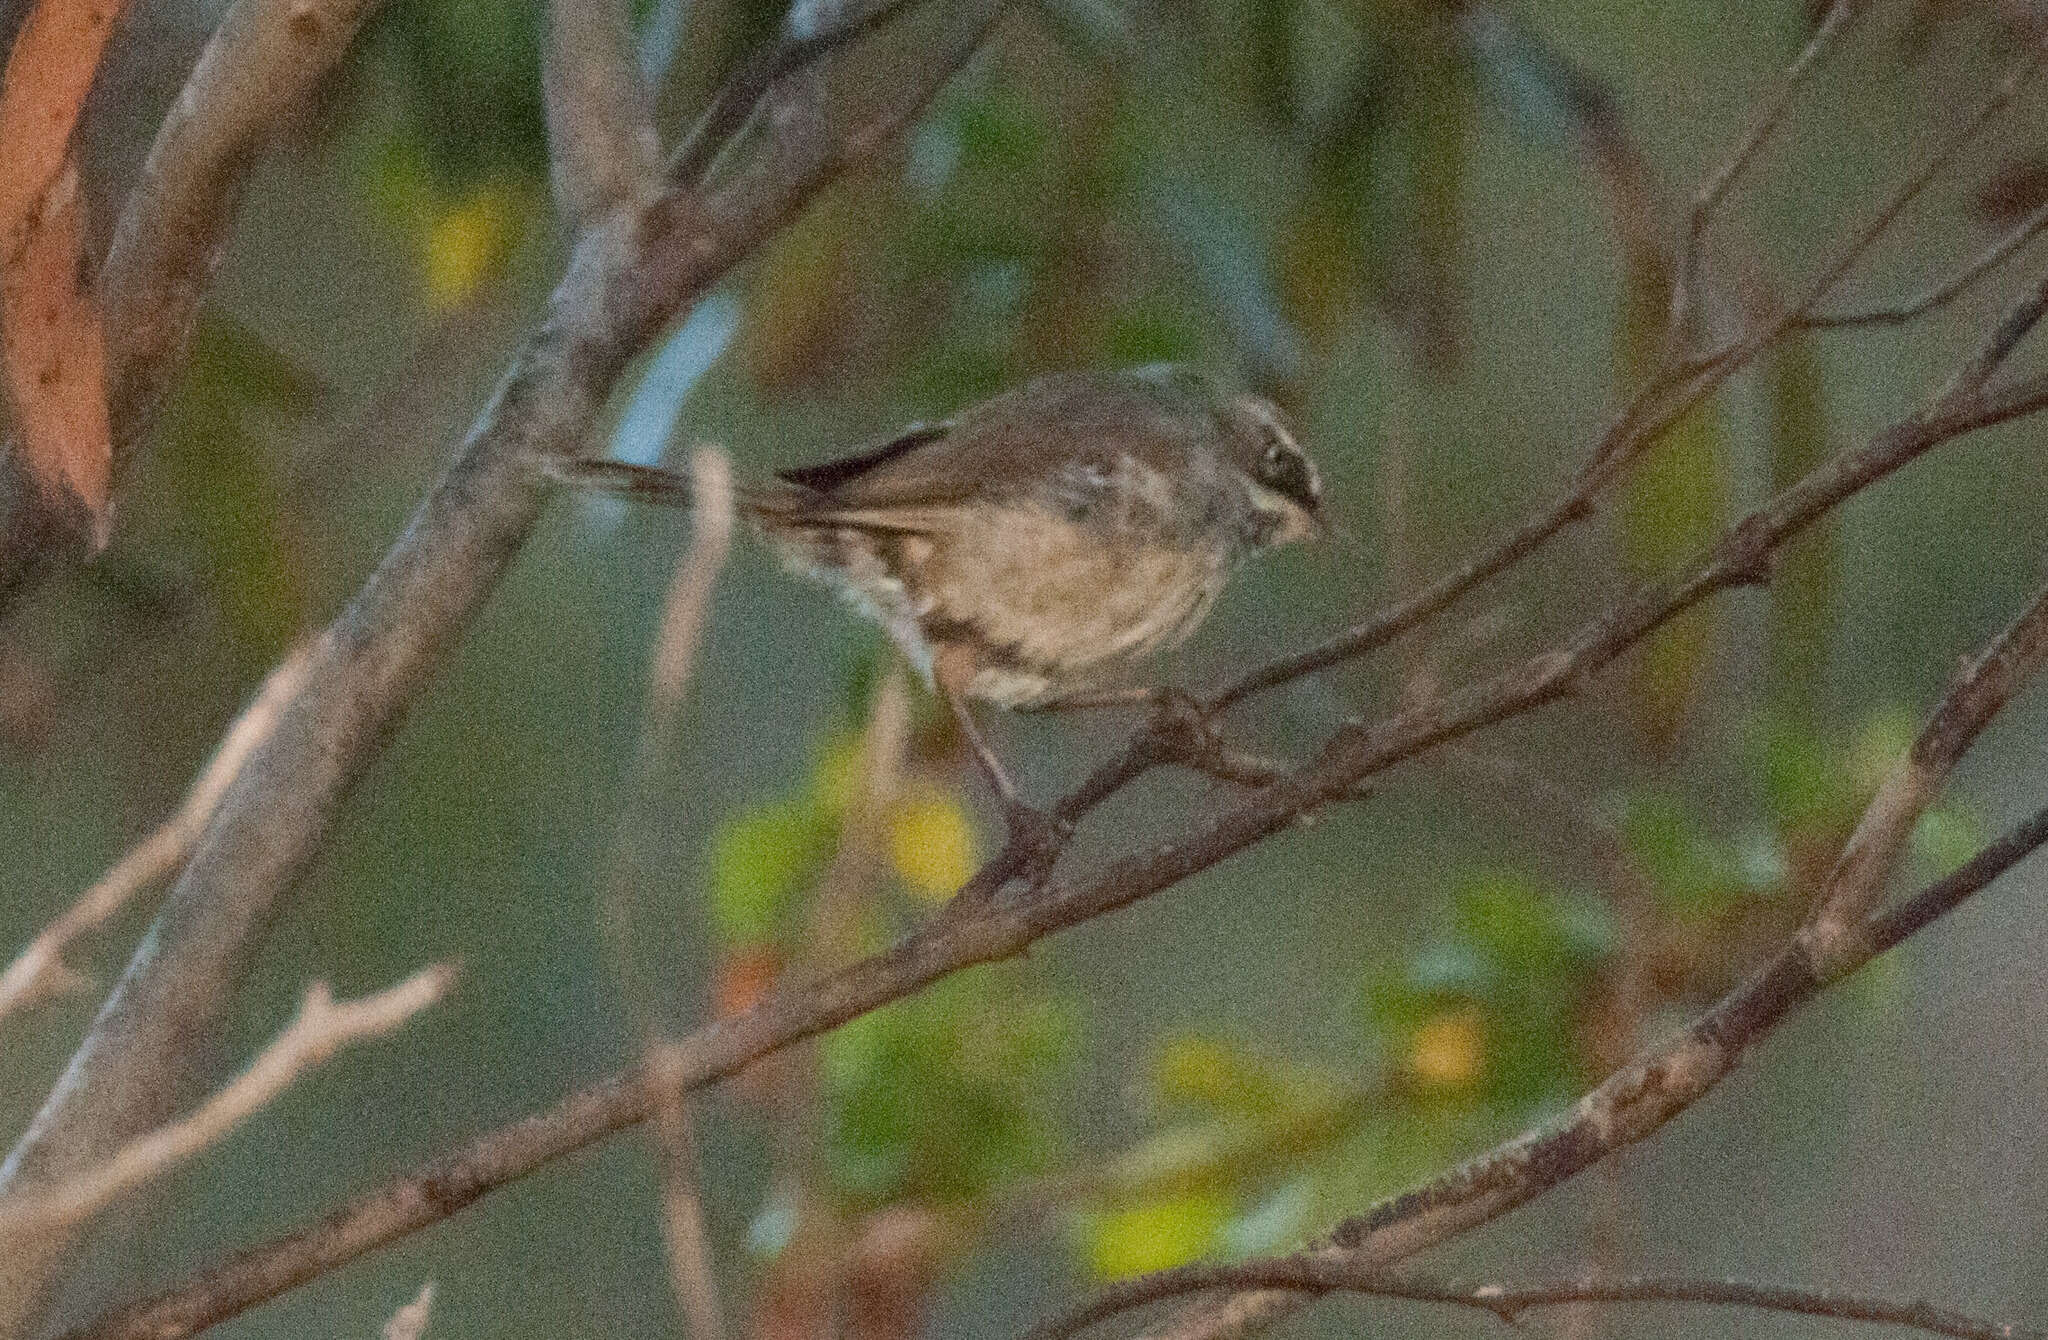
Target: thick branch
602,147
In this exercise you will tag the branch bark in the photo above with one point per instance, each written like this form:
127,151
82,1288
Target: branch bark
603,151
1313,1276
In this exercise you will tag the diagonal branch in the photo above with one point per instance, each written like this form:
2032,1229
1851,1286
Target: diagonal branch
1317,1276
321,1029
602,148
39,970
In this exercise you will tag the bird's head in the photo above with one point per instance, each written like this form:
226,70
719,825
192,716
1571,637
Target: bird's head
1281,482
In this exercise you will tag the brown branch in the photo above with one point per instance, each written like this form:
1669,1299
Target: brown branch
602,147
1987,683
39,971
1317,1275
683,1233
1943,293
737,97
1661,403
321,1029
1840,17
627,277
1628,1106
676,646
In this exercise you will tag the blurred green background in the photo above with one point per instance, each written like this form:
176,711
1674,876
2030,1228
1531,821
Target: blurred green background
1401,221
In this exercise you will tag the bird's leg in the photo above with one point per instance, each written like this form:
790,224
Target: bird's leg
953,670
643,483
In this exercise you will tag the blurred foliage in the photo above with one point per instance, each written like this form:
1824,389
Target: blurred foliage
220,467
1526,995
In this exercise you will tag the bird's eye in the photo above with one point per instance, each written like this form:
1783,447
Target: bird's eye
1286,471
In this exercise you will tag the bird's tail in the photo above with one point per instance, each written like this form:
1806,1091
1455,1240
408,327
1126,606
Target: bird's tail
643,483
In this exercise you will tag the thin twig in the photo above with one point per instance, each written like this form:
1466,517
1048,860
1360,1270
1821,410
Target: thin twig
1987,683
1840,17
1943,293
683,1234
1321,1274
321,1029
734,103
602,147
39,971
682,633
1661,403
410,1321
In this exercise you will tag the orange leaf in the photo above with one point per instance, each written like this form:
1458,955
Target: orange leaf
55,350
56,358
55,56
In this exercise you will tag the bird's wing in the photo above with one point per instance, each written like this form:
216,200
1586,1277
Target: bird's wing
829,476
1017,444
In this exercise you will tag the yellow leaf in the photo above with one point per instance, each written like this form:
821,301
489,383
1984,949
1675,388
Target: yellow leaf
465,243
1449,1051
931,844
1156,1236
838,774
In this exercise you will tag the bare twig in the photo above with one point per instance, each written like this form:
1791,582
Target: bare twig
682,632
1661,403
1840,17
1320,1274
1627,1107
1943,293
736,99
603,150
682,1200
39,971
410,1321
628,275
1857,883
321,1029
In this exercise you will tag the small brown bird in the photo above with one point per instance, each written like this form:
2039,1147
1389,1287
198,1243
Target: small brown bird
1036,543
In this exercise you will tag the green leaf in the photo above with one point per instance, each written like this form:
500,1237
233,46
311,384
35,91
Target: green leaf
942,1097
1157,1235
1805,586
759,861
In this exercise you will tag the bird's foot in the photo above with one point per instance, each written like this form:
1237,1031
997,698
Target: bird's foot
1187,732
